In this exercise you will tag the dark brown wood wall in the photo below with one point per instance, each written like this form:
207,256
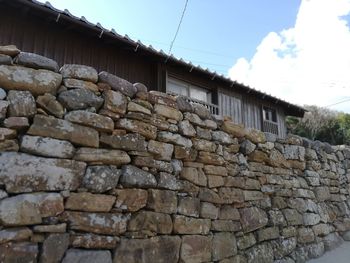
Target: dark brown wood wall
66,44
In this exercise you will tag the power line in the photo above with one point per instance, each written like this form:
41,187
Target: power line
178,27
339,102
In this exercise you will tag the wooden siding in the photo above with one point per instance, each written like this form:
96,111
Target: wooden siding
230,104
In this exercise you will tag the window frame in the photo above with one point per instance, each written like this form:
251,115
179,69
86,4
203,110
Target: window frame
269,114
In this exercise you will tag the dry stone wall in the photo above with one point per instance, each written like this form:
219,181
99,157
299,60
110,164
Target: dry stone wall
94,168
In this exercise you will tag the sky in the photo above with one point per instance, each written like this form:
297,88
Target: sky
297,50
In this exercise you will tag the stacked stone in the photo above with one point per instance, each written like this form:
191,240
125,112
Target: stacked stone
94,168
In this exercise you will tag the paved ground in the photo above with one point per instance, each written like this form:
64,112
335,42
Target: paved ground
338,255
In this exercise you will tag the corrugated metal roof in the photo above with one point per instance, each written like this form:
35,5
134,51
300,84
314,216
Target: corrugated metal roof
160,53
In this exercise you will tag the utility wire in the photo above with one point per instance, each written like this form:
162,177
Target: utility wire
178,28
339,102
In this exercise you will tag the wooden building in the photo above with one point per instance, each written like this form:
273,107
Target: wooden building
42,29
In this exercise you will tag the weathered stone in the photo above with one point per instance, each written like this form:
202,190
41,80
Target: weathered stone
6,133
256,136
246,241
79,72
229,212
322,193
38,82
79,99
201,111
332,241
93,120
190,225
283,247
247,147
90,202
17,123
131,199
305,235
64,130
28,209
147,130
167,181
22,104
35,61
293,217
174,138
225,226
186,129
162,201
151,222
162,151
10,50
293,152
3,108
195,248
161,249
150,162
135,177
253,218
99,223
209,210
215,181
322,229
49,103
9,146
210,158
115,101
102,156
99,179
135,107
224,245
140,87
215,170
80,84
222,137
117,83
59,228
5,60
74,255
268,233
204,145
19,252
303,193
47,147
15,234
189,206
92,241
168,112
231,195
260,253
54,247
236,130
127,142
25,173
311,219
193,175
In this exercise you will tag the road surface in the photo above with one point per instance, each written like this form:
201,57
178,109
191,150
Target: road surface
339,255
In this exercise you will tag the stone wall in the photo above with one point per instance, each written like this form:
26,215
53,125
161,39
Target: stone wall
96,169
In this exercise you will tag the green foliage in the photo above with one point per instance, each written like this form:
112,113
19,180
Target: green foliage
321,124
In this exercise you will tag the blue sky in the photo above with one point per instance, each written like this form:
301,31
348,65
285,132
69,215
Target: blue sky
296,50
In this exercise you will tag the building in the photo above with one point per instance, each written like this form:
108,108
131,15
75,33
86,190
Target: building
42,29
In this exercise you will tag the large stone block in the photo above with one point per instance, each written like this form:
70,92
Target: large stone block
35,61
89,202
168,112
22,104
25,173
236,130
150,223
19,252
54,247
15,234
102,156
147,130
193,175
38,82
174,138
74,255
92,241
10,50
135,177
253,218
101,178
28,209
210,158
230,195
64,130
189,206
117,83
195,248
127,142
47,147
260,253
161,249
224,246
80,99
93,120
189,225
131,199
79,72
99,223
50,105
163,201
161,150
115,101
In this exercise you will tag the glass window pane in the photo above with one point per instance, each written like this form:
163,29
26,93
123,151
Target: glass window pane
197,93
176,88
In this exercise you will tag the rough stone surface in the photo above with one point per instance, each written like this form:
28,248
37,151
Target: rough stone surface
135,177
147,130
224,246
79,72
38,82
92,241
118,84
10,50
90,202
101,178
79,99
93,120
74,255
54,247
64,130
162,151
253,218
102,156
19,252
49,103
25,173
195,248
163,201
15,234
35,61
150,223
162,249
22,104
127,142
131,199
189,225
47,147
115,101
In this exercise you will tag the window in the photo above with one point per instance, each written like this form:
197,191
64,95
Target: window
269,114
189,90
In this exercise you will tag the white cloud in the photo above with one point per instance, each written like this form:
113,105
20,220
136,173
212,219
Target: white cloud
308,63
